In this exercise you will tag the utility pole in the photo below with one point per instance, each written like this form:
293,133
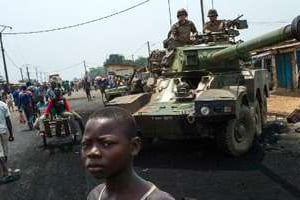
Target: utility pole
149,50
41,76
45,76
36,73
28,75
84,67
170,16
2,50
21,71
132,57
202,13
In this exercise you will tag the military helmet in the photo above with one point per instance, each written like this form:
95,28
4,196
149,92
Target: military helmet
212,13
182,11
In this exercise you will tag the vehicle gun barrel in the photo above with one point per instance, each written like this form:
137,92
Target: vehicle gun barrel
288,32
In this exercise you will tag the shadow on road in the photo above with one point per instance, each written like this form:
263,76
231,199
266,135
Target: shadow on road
204,156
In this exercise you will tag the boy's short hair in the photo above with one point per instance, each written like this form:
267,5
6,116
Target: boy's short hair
124,119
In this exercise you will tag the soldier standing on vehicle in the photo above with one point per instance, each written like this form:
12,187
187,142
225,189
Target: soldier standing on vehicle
184,31
214,25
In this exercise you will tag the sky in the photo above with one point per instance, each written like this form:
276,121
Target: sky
127,33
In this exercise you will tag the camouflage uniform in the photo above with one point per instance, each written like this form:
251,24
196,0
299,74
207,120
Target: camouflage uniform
178,36
216,26
182,33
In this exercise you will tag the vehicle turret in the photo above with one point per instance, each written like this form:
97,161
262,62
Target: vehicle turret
218,54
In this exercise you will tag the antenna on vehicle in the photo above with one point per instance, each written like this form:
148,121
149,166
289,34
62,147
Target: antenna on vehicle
170,16
202,13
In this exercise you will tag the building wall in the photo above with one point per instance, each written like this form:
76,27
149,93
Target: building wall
284,70
121,70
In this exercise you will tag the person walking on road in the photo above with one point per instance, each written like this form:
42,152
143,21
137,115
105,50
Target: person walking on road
87,88
109,145
26,104
7,174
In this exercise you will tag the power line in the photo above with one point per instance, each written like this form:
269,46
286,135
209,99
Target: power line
71,66
155,43
138,49
80,24
11,60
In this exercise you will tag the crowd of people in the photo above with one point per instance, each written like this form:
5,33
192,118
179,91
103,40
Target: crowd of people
34,103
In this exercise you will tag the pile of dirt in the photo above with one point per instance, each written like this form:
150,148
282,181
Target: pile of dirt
283,104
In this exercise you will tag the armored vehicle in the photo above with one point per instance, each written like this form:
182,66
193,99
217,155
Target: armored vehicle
111,93
120,90
210,90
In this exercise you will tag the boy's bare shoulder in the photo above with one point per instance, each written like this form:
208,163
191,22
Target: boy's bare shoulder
157,194
94,194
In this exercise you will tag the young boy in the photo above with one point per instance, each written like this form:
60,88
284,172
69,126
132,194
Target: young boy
109,144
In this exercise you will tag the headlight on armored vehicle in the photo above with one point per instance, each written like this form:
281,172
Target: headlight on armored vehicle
205,110
227,109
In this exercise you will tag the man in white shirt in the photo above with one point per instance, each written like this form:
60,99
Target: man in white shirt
5,126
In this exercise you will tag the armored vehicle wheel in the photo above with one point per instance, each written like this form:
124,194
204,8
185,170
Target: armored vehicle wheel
258,119
238,136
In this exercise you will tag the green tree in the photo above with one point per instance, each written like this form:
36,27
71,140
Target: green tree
141,61
120,59
96,71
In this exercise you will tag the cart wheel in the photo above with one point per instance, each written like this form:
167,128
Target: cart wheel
44,140
74,138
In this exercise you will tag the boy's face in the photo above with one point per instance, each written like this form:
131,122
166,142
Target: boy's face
106,151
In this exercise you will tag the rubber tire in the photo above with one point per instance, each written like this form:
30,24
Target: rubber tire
227,140
257,119
74,138
263,109
78,119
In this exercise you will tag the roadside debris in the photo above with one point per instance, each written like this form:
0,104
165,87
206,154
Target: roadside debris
294,117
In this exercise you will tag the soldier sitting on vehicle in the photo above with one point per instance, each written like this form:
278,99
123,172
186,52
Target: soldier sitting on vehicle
214,25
